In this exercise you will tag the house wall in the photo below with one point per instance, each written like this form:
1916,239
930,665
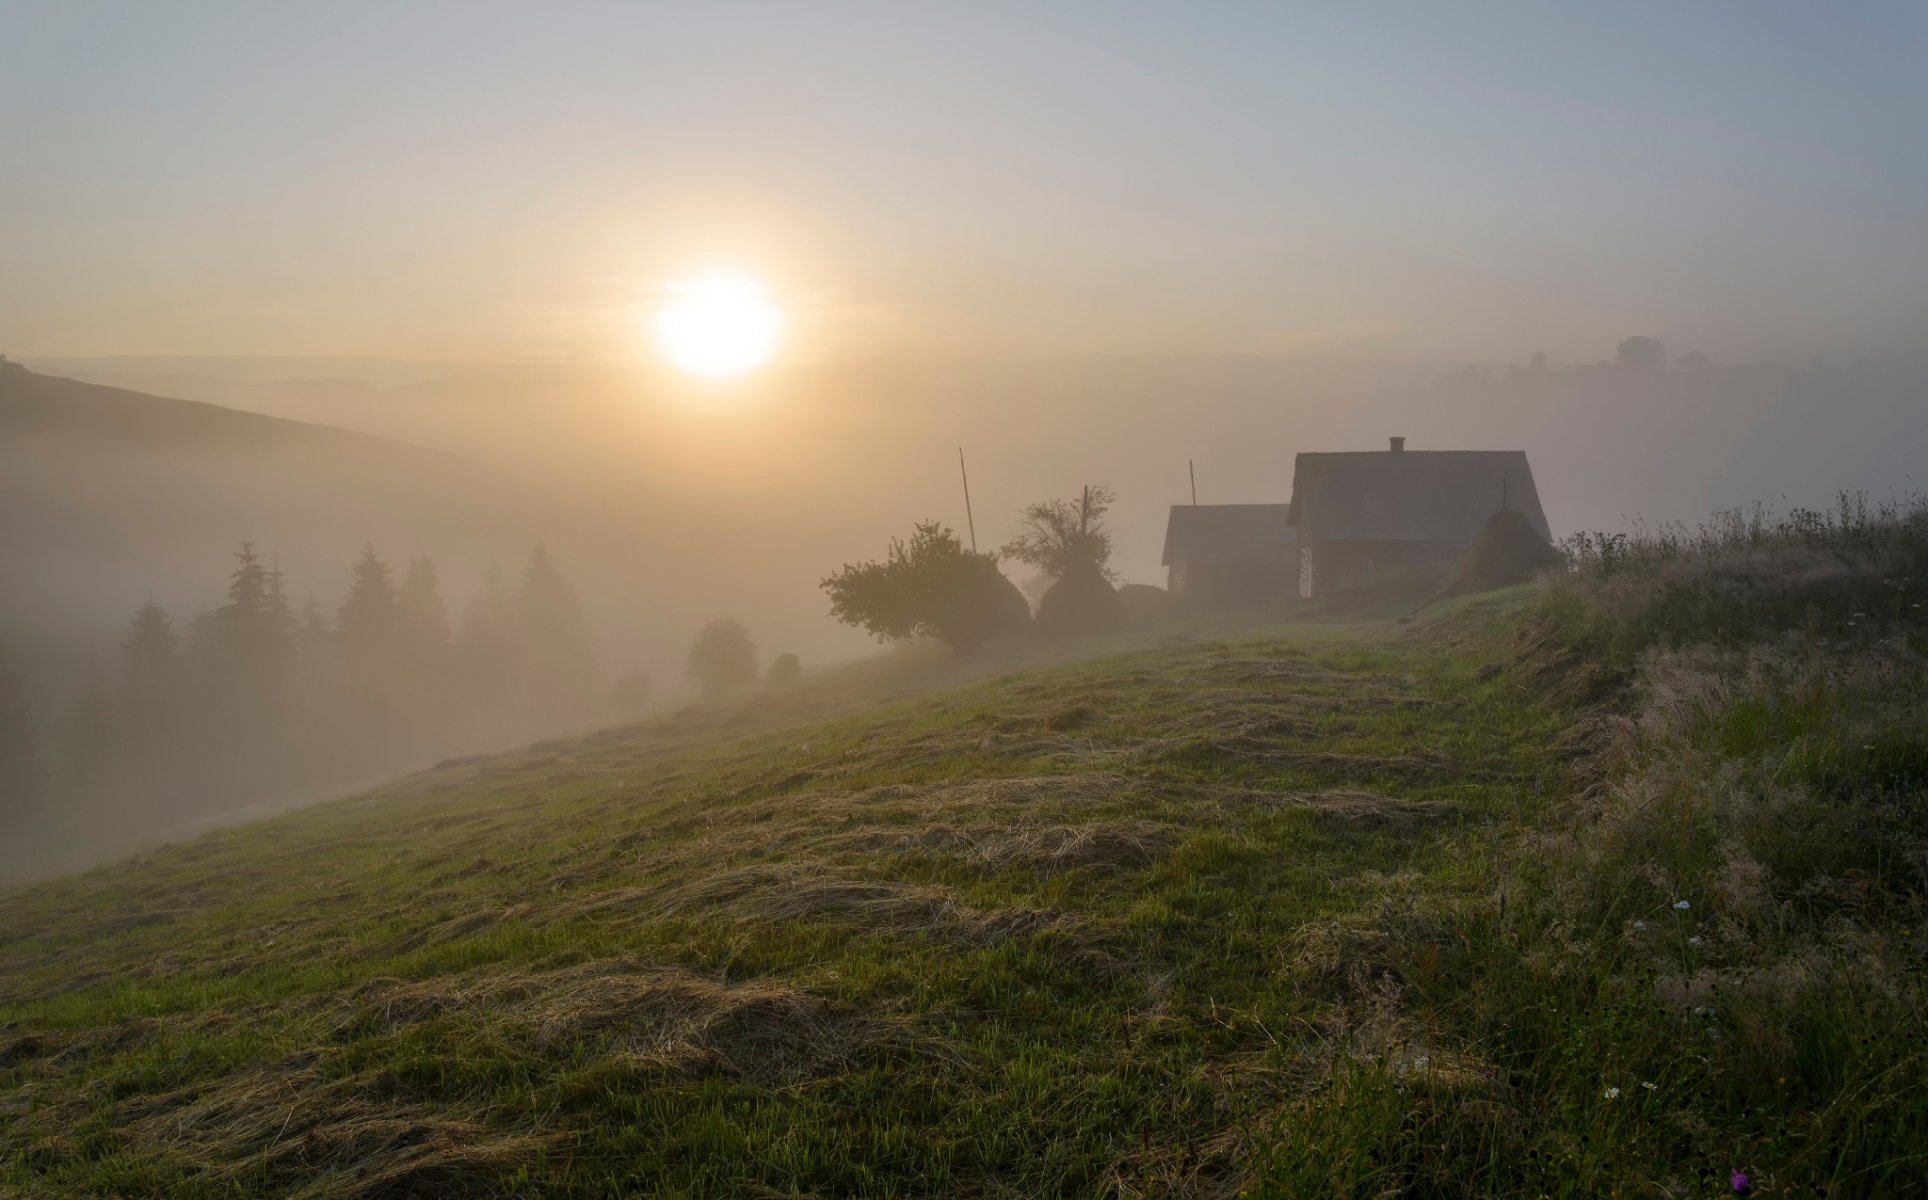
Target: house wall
1326,567
1228,584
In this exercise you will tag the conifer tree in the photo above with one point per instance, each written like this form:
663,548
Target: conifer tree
23,778
149,712
249,635
485,651
150,662
422,617
368,615
554,637
89,749
251,631
313,632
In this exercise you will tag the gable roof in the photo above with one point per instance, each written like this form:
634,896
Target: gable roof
1229,533
1410,495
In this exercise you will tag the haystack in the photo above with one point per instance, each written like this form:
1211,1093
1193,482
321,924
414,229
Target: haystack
1081,602
1010,612
1508,550
1144,604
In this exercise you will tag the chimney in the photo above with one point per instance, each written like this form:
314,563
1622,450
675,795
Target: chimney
1398,444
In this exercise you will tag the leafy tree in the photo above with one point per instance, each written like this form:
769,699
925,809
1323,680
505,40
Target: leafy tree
369,615
23,778
928,587
786,671
723,658
1058,535
1641,353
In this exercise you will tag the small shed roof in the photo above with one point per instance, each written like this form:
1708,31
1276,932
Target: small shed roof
1410,495
1229,533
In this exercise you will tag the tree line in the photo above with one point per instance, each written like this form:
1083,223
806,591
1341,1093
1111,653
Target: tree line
256,699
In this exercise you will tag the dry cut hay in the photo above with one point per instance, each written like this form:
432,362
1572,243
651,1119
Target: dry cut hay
1040,847
780,893
1507,550
1366,808
655,1018
291,1129
1082,602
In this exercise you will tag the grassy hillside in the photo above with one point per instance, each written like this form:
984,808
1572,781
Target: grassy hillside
1486,906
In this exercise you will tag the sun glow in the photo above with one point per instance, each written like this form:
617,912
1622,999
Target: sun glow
718,326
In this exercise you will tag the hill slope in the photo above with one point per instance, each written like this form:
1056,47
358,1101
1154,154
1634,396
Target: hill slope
1222,915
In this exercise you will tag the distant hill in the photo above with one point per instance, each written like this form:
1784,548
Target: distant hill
32,403
110,496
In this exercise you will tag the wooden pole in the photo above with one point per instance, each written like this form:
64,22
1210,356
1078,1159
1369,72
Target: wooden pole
1193,472
968,518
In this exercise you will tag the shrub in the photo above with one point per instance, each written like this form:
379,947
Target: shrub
929,587
723,658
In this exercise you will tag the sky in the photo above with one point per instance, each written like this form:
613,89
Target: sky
510,182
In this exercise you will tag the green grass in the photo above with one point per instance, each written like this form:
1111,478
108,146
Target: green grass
1297,912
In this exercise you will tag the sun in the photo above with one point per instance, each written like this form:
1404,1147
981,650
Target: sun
718,326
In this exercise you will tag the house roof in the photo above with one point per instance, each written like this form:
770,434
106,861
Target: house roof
1410,495
1229,533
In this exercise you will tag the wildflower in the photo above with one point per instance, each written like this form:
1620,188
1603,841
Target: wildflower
1682,905
1421,1062
1694,941
1639,924
1613,1093
1742,1184
1649,1085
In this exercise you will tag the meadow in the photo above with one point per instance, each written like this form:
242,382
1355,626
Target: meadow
1606,885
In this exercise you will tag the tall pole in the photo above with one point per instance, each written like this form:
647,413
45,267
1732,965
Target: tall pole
968,518
1193,472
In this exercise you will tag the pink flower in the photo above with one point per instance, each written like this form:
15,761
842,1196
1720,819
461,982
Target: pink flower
1742,1185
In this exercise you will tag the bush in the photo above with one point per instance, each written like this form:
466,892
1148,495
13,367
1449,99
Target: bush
723,658
929,587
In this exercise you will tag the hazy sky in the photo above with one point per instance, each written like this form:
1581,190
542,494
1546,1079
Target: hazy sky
503,181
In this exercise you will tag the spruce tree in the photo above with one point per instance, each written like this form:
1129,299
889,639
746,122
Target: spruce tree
252,630
23,778
150,660
150,711
422,617
368,615
89,747
486,649
553,633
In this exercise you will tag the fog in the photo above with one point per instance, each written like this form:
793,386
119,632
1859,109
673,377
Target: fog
1109,245
665,505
